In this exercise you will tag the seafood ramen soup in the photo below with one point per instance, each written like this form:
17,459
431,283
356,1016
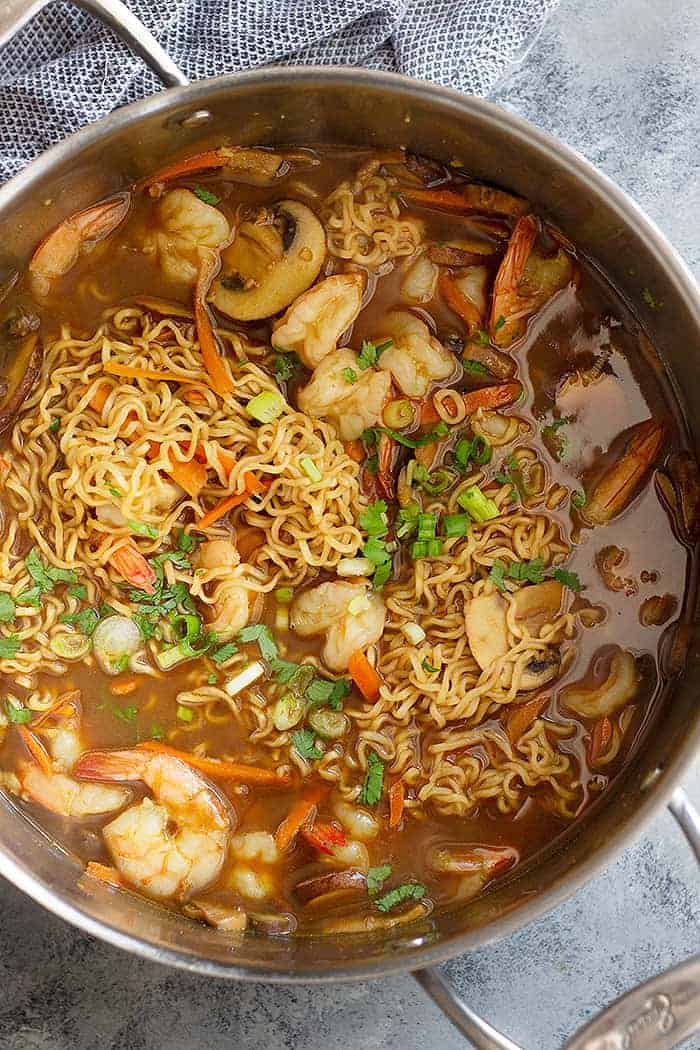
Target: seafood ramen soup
345,526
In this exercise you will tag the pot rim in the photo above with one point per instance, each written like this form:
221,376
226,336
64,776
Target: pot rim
562,156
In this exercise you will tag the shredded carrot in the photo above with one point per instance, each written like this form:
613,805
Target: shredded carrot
397,797
324,837
131,564
428,412
104,873
521,717
217,768
355,449
458,302
99,398
300,814
36,749
221,381
123,686
253,486
190,476
116,368
364,676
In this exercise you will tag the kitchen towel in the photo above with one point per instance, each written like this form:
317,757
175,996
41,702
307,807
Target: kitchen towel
65,69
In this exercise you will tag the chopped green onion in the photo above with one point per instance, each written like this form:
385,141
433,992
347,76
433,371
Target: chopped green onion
482,337
9,647
407,519
427,439
456,525
310,469
428,667
500,322
419,549
330,725
156,732
17,714
70,646
427,524
244,678
284,595
434,549
7,608
126,714
438,481
477,505
266,406
399,413
475,450
474,367
54,424
287,712
175,654
184,714
212,679
414,632
354,567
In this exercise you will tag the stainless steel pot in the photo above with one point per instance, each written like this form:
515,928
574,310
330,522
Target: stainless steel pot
359,107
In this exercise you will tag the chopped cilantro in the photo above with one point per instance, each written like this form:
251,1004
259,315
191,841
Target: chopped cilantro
32,596
374,780
185,542
121,663
527,571
178,558
38,570
408,891
497,574
9,647
427,666
212,679
371,352
7,608
372,464
86,620
107,610
650,299
156,732
304,743
220,656
568,579
349,375
373,519
206,195
283,670
376,876
319,691
79,591
126,714
261,634
54,424
341,688
578,499
475,367
114,492
285,365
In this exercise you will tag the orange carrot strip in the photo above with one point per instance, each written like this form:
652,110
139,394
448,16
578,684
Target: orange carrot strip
364,676
253,485
99,398
324,837
355,450
36,749
458,302
521,717
190,476
104,873
131,564
116,368
221,381
397,797
428,412
300,814
218,768
123,686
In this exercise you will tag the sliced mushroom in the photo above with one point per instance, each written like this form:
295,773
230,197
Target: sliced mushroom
499,364
487,632
657,610
227,918
331,888
618,688
369,922
270,262
274,924
679,490
540,671
27,366
539,604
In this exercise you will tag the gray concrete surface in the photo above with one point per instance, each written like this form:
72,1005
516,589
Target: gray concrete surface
619,80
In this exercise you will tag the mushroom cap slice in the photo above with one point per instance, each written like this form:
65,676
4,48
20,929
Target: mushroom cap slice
270,263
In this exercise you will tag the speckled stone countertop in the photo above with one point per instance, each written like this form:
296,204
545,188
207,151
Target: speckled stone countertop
620,81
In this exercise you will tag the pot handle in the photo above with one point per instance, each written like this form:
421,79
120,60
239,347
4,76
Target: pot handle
14,14
656,1015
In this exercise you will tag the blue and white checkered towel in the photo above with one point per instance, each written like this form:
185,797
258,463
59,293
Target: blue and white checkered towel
65,69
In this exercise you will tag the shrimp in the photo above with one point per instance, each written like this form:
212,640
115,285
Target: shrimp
525,281
259,847
60,249
465,294
186,228
44,777
352,405
232,598
350,617
255,166
315,321
133,567
415,358
171,846
621,482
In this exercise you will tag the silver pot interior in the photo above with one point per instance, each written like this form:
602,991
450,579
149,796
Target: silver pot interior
360,108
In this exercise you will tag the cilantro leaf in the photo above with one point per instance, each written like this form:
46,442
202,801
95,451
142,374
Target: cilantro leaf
371,352
7,608
497,574
349,375
568,579
374,780
262,635
126,714
220,656
32,596
156,732
341,688
185,542
206,195
578,499
482,337
9,647
285,365
78,591
304,743
376,876
37,569
18,715
373,519
650,299
142,529
319,691
427,666
527,571
283,670
178,558
408,891
86,620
